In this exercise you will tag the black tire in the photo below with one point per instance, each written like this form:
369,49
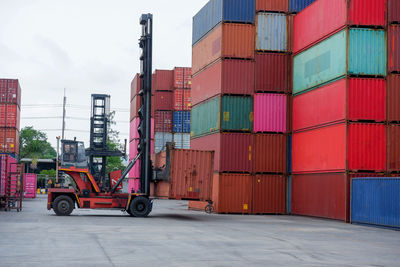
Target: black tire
63,205
140,207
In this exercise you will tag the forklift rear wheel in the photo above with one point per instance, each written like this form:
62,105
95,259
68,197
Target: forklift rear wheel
63,205
140,207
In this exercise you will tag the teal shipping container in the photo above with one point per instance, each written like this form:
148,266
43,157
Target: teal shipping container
354,52
222,113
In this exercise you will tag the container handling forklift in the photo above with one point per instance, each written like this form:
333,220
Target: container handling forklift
85,169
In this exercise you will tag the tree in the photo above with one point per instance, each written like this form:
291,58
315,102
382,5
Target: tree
34,144
113,143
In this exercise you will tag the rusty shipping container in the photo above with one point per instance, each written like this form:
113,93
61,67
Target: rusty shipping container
232,193
227,76
163,100
394,48
182,78
339,148
9,140
135,86
394,11
393,92
233,151
10,91
272,5
228,40
269,194
393,148
163,80
269,153
272,72
353,99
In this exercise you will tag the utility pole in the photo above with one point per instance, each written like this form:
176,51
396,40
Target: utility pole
57,159
63,124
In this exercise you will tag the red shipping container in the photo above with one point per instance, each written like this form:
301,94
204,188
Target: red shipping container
269,153
352,99
272,72
163,100
269,194
232,193
10,91
182,99
135,86
182,78
9,140
228,76
163,121
228,40
340,147
393,148
394,48
325,17
233,151
272,5
9,115
394,11
393,86
163,80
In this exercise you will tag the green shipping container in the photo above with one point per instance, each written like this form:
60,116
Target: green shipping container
358,52
226,113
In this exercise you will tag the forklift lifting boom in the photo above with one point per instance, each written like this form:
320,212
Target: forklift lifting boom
85,169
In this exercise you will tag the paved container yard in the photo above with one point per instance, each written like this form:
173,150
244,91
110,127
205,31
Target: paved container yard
174,236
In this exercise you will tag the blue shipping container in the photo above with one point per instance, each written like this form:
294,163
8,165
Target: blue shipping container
295,6
181,122
217,11
271,32
376,201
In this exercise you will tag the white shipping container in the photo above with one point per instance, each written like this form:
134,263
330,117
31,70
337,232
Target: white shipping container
160,139
182,141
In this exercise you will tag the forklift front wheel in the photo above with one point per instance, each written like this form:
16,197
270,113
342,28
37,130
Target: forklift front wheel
63,205
140,207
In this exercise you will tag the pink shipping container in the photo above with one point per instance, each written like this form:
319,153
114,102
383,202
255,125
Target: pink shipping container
325,17
270,113
134,173
10,91
30,185
133,132
163,80
7,165
163,121
273,72
228,76
182,78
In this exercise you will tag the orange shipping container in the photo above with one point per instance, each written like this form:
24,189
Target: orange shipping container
232,193
228,40
269,155
269,194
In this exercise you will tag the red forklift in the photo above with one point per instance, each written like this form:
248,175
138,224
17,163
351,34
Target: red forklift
83,171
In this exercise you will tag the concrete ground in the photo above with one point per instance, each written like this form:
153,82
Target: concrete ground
174,236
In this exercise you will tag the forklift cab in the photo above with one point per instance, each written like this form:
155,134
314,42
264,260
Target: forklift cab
73,154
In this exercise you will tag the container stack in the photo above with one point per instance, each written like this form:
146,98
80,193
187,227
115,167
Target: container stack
339,103
393,87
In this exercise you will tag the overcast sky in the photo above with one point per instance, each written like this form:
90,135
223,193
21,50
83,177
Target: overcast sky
85,46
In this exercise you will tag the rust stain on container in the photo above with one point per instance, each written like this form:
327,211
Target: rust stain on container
269,194
269,153
228,40
393,87
232,193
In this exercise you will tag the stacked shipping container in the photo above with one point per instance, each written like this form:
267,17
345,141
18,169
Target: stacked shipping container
339,104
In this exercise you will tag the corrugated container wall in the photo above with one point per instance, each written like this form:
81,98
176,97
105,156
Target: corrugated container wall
393,87
9,115
228,76
271,32
269,153
30,185
330,59
217,11
295,6
163,100
272,5
232,193
393,148
227,40
10,91
160,139
226,113
163,80
182,99
394,48
324,18
182,78
233,151
270,113
394,11
163,121
9,140
133,132
272,72
376,201
181,122
135,86
352,99
182,141
269,194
